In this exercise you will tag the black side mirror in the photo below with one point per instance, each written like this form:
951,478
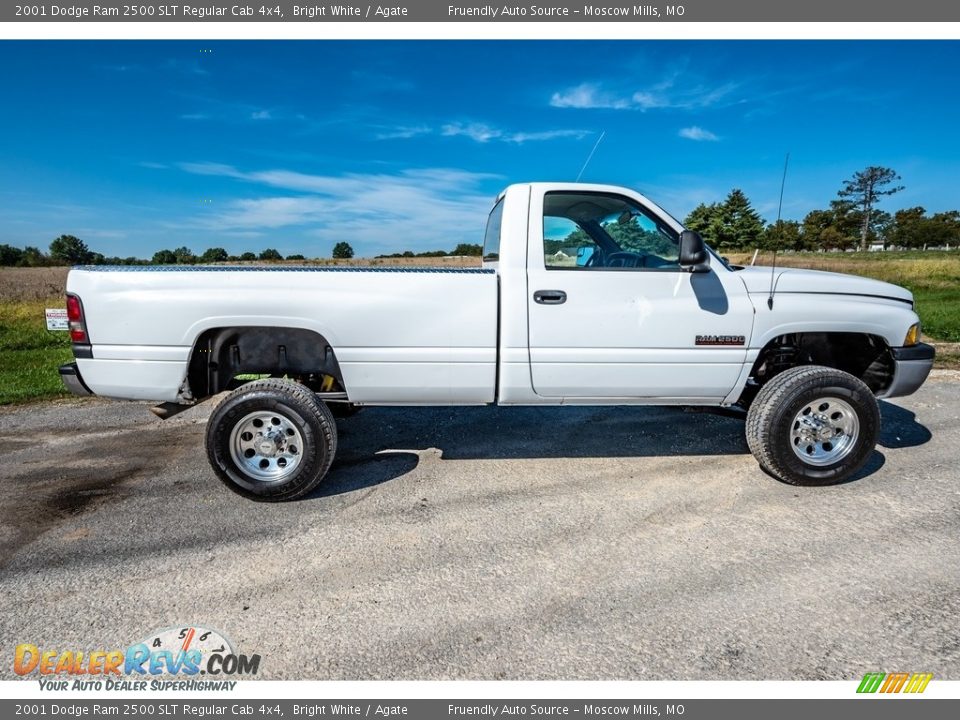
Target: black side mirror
693,252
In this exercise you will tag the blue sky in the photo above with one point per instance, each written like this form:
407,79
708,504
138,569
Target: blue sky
137,146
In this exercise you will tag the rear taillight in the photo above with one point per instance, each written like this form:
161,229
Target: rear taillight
78,326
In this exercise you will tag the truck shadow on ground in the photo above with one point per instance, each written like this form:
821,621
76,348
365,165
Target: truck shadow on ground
381,444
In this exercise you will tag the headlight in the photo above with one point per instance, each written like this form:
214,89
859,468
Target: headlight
913,335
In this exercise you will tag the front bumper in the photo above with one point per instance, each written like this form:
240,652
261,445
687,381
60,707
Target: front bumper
911,365
70,375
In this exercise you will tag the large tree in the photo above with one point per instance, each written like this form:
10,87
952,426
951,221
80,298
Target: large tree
343,251
730,224
164,257
782,235
704,219
70,250
184,256
743,224
212,255
864,190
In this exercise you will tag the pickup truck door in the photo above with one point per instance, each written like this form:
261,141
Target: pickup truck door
613,316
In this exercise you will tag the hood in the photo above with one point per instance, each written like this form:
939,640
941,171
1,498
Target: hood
796,280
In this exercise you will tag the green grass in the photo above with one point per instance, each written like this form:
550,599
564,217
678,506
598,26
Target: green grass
29,354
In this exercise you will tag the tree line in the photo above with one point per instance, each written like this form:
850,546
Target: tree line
71,250
852,221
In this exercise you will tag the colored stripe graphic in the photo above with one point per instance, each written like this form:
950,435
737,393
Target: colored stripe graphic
894,682
918,682
870,682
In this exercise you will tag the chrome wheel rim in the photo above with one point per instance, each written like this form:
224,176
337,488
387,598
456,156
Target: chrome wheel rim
266,445
825,431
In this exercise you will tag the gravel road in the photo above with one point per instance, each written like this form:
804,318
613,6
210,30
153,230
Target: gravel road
489,543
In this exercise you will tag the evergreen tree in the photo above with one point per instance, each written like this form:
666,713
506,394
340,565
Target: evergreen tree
742,225
704,219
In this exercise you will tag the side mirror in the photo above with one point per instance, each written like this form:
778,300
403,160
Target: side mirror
693,252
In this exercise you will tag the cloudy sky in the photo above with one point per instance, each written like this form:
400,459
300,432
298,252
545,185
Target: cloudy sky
137,146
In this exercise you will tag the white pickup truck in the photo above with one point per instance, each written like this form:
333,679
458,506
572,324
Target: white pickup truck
588,294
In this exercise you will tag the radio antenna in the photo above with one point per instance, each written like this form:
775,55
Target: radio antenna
590,156
773,266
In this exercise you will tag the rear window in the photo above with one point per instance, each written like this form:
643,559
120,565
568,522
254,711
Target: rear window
491,239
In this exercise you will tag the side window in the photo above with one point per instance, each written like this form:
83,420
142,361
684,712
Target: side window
595,231
491,238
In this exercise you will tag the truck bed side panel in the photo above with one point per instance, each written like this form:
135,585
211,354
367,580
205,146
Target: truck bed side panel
424,335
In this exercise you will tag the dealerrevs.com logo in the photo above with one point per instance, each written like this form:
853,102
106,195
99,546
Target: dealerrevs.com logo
171,659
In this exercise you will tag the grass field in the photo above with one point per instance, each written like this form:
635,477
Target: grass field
29,355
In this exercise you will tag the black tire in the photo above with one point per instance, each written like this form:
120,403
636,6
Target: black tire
289,416
813,425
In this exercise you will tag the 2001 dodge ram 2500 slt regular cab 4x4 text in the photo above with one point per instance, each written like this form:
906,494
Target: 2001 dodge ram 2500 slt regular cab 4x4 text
588,294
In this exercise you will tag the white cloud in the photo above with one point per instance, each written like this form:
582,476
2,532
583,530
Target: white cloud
261,115
414,209
475,131
152,165
483,133
588,96
697,133
404,132
669,93
522,137
194,116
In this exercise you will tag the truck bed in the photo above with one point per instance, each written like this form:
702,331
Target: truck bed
401,335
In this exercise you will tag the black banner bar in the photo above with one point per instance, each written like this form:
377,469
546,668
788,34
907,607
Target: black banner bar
445,11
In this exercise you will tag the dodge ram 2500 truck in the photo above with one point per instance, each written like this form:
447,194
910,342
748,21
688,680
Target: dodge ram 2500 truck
588,294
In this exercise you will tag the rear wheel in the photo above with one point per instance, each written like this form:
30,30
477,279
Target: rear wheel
813,425
271,440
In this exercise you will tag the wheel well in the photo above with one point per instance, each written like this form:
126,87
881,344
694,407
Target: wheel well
220,355
862,355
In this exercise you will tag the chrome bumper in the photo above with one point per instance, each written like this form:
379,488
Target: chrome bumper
70,375
911,365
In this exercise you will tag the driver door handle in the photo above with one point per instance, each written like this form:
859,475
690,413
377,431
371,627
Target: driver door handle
550,297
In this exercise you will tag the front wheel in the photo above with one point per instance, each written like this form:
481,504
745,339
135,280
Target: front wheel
813,425
271,440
